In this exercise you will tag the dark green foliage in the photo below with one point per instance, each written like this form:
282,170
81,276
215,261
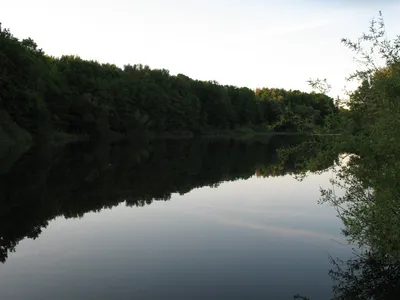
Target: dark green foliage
369,174
370,205
24,73
68,94
366,276
294,109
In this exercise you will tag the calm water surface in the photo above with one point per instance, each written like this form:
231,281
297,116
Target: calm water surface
217,231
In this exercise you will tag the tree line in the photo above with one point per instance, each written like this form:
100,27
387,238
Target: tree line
46,96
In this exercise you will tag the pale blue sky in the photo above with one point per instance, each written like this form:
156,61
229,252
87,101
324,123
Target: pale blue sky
249,43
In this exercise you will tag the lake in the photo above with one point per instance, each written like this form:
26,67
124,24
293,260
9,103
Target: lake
168,219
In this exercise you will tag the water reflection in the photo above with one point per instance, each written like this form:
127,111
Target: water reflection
48,182
234,227
251,237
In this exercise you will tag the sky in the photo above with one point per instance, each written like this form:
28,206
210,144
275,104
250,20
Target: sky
253,43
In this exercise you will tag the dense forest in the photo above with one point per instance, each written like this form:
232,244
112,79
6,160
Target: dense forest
47,97
42,96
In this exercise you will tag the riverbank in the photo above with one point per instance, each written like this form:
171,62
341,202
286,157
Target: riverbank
242,133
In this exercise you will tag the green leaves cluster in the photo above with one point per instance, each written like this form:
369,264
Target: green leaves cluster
370,176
